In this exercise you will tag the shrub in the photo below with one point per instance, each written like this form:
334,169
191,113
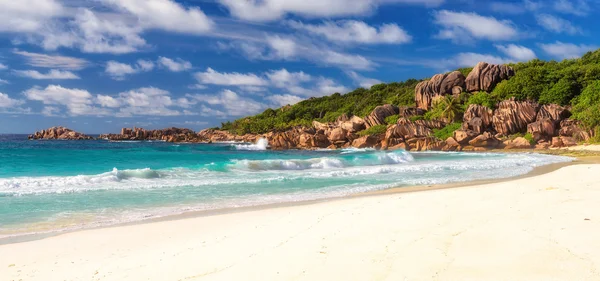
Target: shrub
416,117
375,130
481,98
586,107
392,119
446,132
529,138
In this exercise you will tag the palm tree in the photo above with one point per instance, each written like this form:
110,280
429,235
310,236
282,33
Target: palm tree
451,108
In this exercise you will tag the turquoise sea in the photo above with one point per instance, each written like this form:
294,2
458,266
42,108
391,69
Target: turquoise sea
58,185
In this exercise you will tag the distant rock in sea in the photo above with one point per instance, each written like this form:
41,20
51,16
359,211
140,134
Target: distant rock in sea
59,133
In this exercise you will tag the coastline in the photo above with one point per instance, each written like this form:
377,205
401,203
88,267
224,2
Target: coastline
518,229
587,158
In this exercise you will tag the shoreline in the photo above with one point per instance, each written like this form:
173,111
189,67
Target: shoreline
20,238
533,228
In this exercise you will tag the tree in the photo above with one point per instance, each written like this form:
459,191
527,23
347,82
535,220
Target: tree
451,108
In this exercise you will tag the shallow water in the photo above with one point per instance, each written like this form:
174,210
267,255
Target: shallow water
53,185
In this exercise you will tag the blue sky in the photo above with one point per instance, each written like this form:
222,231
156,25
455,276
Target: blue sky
99,65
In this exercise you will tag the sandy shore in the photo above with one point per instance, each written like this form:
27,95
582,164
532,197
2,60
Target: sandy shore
544,227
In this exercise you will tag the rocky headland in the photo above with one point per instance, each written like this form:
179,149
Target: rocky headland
511,124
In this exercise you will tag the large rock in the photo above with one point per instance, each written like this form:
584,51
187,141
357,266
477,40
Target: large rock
486,140
353,124
378,115
407,130
438,85
513,116
543,129
574,128
477,118
451,145
366,141
59,133
464,136
485,76
554,112
407,112
518,143
424,144
337,135
431,124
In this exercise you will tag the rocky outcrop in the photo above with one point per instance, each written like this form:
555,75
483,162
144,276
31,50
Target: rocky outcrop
168,134
574,129
407,112
59,133
439,85
517,143
477,118
543,129
352,125
485,76
431,124
554,112
366,141
378,115
485,140
513,116
464,136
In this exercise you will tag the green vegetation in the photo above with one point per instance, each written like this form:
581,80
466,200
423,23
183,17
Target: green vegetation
447,131
573,82
375,130
529,138
392,119
416,117
359,102
481,98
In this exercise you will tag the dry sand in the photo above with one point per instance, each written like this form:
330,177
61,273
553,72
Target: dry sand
545,227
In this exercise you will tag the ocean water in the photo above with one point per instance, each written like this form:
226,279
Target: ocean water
58,185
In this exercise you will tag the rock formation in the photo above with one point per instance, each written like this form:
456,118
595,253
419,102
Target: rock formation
513,116
477,118
378,115
168,135
439,85
59,133
485,76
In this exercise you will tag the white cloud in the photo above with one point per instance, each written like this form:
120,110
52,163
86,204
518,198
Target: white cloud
352,31
470,59
282,78
556,24
516,52
282,100
8,102
166,15
283,48
515,7
53,61
463,26
560,50
363,81
54,74
145,65
2,81
574,7
3,66
148,101
119,71
210,76
107,101
77,101
27,15
177,65
269,10
232,103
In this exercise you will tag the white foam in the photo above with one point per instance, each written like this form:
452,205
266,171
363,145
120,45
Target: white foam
261,144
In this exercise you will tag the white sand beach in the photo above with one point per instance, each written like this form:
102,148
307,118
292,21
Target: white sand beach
544,227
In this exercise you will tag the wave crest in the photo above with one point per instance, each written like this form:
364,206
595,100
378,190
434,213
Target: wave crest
261,144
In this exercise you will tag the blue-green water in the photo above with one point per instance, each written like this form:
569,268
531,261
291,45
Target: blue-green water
52,185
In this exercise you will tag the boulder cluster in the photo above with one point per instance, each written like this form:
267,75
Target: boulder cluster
58,133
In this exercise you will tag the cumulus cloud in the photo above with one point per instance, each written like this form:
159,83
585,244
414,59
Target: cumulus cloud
115,26
210,76
363,81
76,101
517,52
53,74
2,81
282,100
560,50
3,66
176,65
232,103
148,101
352,31
8,102
556,24
52,61
461,26
269,10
